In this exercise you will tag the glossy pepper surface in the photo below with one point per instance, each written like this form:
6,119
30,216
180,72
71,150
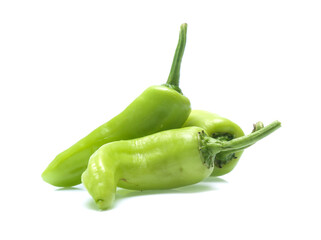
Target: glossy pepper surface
158,108
163,160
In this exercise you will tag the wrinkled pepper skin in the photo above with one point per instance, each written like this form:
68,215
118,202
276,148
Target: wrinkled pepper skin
220,128
158,108
163,160
153,162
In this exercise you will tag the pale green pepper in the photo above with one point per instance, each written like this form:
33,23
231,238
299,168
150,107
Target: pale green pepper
158,108
163,160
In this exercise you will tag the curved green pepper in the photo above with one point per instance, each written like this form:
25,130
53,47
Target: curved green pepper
163,160
158,108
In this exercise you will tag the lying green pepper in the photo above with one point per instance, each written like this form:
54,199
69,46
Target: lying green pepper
222,129
163,160
158,108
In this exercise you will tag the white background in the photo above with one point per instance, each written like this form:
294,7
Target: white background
66,67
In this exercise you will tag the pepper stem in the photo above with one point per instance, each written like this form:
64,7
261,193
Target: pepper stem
225,157
241,143
173,78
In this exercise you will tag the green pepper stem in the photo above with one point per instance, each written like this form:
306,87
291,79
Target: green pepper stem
173,78
227,156
241,143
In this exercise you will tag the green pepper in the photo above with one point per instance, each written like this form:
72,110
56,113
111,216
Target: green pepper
163,160
158,108
222,129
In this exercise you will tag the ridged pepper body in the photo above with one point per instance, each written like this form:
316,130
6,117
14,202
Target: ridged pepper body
163,160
